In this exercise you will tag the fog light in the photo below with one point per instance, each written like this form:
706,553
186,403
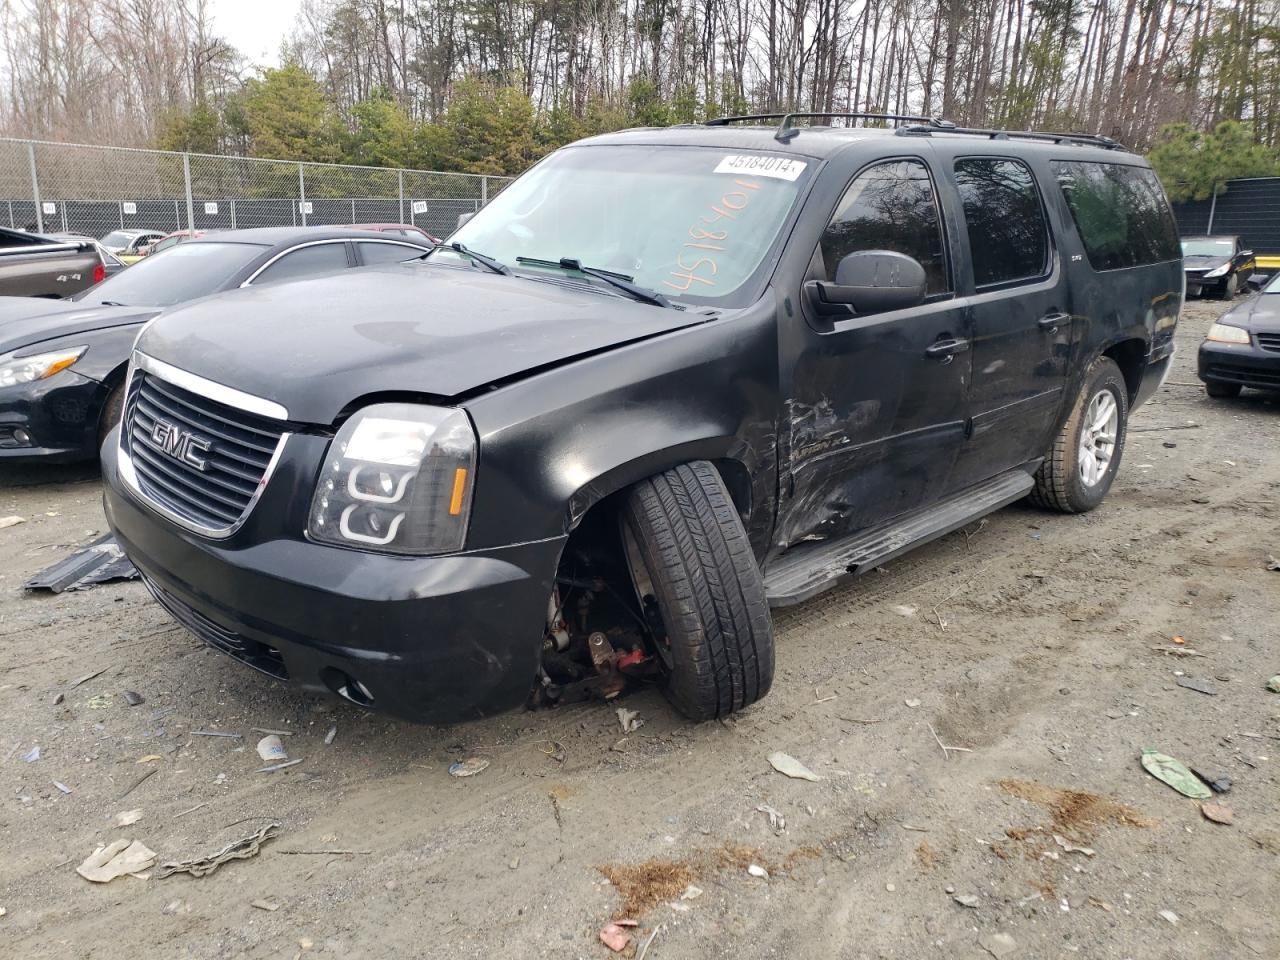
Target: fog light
22,437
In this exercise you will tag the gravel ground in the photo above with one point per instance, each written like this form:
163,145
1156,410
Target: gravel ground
1039,644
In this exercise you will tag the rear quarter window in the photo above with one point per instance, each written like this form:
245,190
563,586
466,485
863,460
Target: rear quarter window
1120,212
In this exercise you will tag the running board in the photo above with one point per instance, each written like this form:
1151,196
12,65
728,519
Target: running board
807,570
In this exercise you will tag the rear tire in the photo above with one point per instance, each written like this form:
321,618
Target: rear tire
111,412
1222,391
1085,456
690,558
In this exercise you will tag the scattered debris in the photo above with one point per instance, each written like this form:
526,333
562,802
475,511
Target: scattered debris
128,818
469,767
176,906
1218,813
276,733
132,698
270,906
1273,563
137,783
789,766
1169,915
1178,651
998,944
86,678
101,702
328,737
1218,782
691,893
777,822
912,703
327,853
644,948
630,720
1175,774
614,937
271,749
1169,445
11,521
643,886
177,816
101,561
904,609
1069,847
946,749
758,871
62,787
149,758
115,860
273,767
1074,811
32,755
1274,684
966,900
1199,686
217,733
237,850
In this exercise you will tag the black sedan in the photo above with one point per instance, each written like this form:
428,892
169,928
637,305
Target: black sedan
1217,265
63,362
1243,348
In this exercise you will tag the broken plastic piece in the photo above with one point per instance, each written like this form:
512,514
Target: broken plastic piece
789,766
115,860
1174,773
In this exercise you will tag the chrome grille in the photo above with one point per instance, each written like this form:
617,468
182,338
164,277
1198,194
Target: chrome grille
201,460
1269,342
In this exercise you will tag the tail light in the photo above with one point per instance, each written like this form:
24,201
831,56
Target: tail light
99,273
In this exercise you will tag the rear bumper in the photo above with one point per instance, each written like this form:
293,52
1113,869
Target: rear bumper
1154,372
1241,363
430,639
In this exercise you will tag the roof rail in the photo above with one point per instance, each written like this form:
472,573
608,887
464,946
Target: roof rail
786,131
1086,139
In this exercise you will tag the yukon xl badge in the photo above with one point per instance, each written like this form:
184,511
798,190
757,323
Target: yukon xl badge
182,445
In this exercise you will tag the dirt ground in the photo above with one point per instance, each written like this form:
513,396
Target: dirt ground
1039,646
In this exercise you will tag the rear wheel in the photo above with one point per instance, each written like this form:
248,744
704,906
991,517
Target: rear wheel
1223,391
1085,456
701,591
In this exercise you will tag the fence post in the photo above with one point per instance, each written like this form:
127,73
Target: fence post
302,195
186,179
484,190
353,209
400,192
1213,205
35,187
233,213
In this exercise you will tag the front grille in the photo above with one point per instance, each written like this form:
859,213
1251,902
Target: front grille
250,652
200,459
1269,341
1238,373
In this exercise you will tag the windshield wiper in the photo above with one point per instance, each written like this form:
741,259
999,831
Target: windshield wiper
479,258
618,280
111,303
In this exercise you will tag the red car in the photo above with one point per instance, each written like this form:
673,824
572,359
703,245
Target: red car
400,229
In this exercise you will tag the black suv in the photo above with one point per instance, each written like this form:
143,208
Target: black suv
667,379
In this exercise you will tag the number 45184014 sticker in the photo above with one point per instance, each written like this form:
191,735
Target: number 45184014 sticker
762,165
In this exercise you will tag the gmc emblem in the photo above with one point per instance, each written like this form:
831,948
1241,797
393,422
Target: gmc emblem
182,445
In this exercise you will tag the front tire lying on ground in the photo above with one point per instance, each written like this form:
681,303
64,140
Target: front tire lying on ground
1085,456
701,591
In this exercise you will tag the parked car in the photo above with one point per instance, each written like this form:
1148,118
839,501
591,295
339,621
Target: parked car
399,229
128,244
1218,265
33,265
111,264
1242,348
62,365
171,240
667,379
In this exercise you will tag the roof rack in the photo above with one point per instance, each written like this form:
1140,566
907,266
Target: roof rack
1087,139
786,131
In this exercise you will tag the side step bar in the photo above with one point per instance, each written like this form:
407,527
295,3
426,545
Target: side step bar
807,570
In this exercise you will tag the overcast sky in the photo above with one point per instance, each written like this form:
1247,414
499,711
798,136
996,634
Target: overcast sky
255,27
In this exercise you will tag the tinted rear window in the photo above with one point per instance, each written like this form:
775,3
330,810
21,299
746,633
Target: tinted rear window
1008,238
1120,212
184,272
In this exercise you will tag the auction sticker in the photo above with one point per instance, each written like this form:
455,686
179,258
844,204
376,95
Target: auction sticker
762,165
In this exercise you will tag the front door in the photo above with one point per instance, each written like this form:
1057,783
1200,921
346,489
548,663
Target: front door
877,410
1022,324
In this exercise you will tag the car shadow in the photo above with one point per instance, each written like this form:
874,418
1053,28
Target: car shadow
37,474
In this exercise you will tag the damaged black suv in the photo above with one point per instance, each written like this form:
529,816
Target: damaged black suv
668,379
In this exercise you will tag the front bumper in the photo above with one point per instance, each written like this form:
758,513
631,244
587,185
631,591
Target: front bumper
430,639
59,416
1198,285
1247,364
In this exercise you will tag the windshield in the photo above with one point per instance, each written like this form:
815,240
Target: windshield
185,272
1207,247
118,238
687,222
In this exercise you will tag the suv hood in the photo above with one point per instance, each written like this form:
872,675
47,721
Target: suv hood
316,345
1260,313
28,321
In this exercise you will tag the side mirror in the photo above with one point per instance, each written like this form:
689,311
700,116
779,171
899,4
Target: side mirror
1246,253
869,281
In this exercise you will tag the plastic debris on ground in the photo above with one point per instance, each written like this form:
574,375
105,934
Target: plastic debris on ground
777,822
62,787
116,860
328,737
614,937
468,767
966,900
271,749
789,766
99,562
1174,773
1071,847
11,521
241,849
629,719
32,755
1218,813
1169,915
128,818
758,871
1199,686
1274,684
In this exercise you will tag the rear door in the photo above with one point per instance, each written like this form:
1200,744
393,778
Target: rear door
1022,327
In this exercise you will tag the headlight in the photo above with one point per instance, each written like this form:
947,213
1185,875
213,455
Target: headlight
1218,271
397,479
40,366
1226,334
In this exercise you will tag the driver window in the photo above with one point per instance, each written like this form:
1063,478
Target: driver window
890,206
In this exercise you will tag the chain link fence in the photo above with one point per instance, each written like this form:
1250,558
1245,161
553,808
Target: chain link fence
76,188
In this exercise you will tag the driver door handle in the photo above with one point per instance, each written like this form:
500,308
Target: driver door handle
944,350
1050,322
